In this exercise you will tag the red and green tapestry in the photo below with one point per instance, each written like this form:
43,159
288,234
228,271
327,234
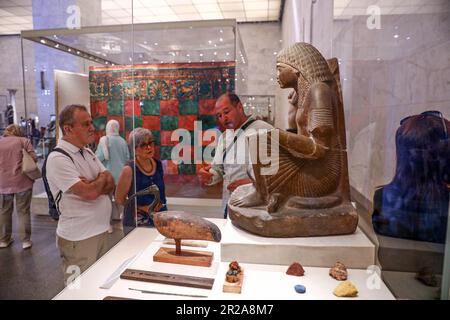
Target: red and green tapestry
162,98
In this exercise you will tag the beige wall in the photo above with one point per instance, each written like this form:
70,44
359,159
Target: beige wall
11,74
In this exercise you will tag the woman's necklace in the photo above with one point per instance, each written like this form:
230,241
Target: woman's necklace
146,167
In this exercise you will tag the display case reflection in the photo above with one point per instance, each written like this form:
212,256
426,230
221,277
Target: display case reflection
414,205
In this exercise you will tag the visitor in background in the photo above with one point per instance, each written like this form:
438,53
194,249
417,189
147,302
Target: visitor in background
14,184
414,205
113,152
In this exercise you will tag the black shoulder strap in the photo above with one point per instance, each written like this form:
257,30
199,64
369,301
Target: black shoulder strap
241,129
44,176
64,152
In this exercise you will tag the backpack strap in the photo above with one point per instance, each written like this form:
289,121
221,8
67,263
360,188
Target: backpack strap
44,177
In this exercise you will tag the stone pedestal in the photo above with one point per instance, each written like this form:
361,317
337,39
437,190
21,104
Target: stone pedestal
355,250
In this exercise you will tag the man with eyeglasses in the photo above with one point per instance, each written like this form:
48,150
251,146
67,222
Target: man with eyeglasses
80,185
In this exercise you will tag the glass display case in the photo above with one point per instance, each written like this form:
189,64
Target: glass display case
393,61
261,106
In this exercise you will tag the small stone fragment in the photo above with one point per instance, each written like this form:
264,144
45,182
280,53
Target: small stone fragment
295,269
339,271
300,289
346,289
427,277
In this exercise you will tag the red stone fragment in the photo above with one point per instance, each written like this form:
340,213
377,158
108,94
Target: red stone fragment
295,269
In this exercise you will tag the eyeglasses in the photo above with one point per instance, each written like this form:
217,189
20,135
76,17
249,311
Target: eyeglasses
432,113
147,144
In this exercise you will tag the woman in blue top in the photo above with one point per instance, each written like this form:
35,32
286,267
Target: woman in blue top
147,171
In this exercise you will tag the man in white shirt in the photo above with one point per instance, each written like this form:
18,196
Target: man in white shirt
84,183
231,163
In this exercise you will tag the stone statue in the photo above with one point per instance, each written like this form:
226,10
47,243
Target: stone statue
309,194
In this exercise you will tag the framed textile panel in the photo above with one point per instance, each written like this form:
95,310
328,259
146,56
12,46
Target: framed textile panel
162,98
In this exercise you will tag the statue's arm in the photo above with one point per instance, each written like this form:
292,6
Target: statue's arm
320,127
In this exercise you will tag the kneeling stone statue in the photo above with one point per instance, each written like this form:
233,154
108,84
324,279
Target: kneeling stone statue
309,194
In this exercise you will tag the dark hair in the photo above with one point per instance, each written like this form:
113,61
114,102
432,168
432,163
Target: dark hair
234,99
66,115
414,204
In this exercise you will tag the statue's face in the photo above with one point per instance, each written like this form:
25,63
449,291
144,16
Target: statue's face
287,76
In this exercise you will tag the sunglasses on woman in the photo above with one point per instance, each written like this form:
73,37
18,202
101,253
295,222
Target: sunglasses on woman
432,113
147,144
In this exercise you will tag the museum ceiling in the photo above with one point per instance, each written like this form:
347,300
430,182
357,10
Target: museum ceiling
16,15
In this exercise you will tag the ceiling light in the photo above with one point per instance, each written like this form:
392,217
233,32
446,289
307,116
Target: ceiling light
78,52
156,43
57,45
162,61
209,41
215,53
201,54
275,53
220,39
69,50
43,41
407,38
396,36
221,31
145,61
187,55
227,53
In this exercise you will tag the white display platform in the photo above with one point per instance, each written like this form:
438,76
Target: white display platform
355,250
260,282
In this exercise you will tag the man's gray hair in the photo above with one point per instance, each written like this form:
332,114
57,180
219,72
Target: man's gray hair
138,136
66,115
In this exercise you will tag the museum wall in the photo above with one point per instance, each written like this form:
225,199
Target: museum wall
261,42
11,74
387,74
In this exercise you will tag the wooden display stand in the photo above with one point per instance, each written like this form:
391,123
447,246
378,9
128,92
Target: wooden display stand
234,287
188,257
